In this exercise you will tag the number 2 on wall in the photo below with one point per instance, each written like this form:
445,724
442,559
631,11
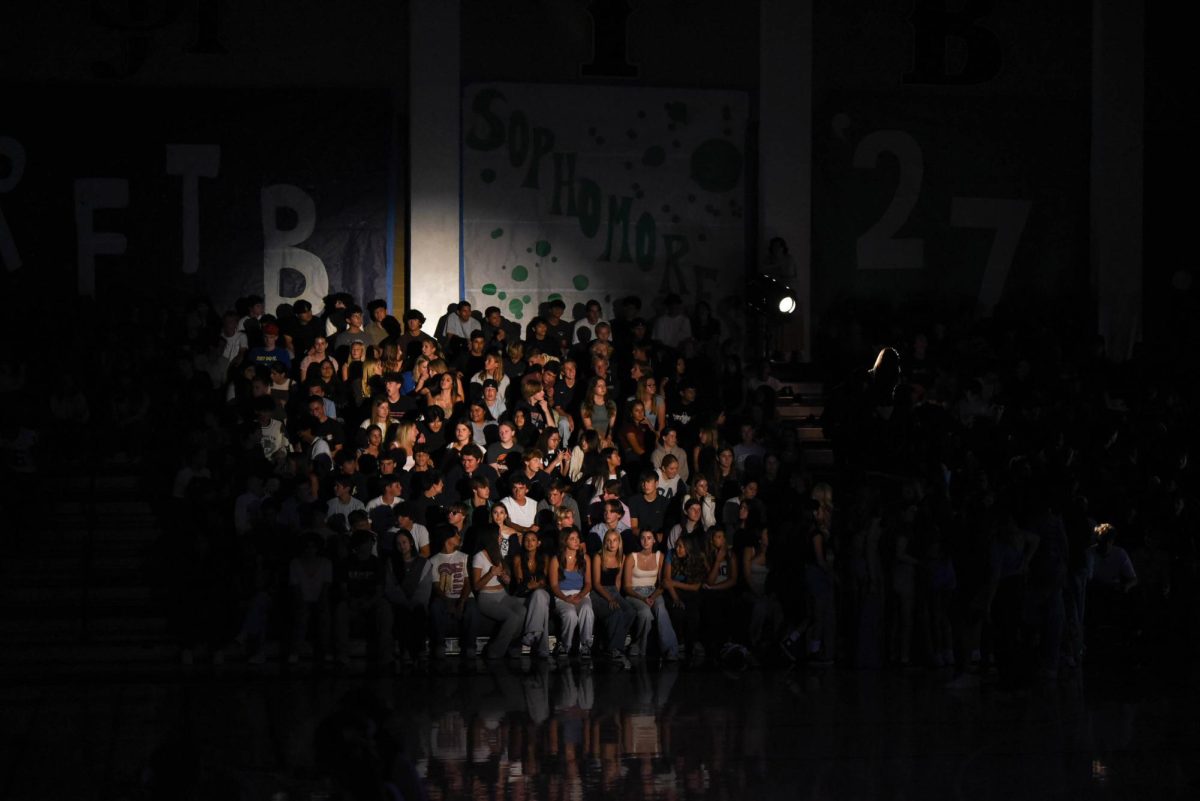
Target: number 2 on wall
879,249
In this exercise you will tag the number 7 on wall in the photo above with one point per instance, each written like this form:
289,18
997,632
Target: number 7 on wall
877,249
1008,218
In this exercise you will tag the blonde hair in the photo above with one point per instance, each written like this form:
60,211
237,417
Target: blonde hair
620,544
406,436
371,368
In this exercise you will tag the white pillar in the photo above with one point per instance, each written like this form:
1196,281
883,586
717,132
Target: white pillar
785,141
1118,94
434,121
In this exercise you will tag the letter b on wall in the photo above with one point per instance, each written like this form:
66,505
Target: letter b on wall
279,247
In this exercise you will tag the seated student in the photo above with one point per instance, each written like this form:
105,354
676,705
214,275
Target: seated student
668,445
320,458
342,502
718,599
612,520
345,465
648,511
450,602
766,612
458,477
559,494
310,576
538,478
642,583
510,537
493,401
685,573
670,481
481,424
429,505
360,583
432,425
490,578
504,454
479,503
708,504
408,592
690,526
611,491
404,520
571,586
612,609
271,351
382,508
531,583
634,437
551,521
522,510
748,496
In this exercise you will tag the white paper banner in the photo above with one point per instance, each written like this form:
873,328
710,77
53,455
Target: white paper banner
600,192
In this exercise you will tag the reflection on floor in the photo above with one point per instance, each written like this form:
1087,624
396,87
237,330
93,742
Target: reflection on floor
572,733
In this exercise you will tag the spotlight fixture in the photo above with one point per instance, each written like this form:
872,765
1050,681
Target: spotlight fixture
769,295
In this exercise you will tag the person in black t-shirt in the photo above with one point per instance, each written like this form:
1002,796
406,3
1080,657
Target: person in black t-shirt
647,511
359,582
399,405
328,428
302,329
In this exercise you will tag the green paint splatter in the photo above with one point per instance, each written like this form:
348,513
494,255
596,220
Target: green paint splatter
654,156
553,259
502,295
716,165
488,289
542,247
580,282
516,307
499,232
553,296
528,250
520,272
527,299
488,176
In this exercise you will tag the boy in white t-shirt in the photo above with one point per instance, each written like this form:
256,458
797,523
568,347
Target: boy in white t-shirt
450,604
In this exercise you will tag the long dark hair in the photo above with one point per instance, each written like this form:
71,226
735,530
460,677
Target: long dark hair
563,536
490,537
399,566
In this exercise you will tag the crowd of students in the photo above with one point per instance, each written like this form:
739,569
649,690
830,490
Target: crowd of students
619,484
484,478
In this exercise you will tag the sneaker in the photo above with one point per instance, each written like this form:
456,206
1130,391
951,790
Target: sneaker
671,655
585,651
634,651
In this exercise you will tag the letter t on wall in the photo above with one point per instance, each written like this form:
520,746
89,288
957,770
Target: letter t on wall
192,162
